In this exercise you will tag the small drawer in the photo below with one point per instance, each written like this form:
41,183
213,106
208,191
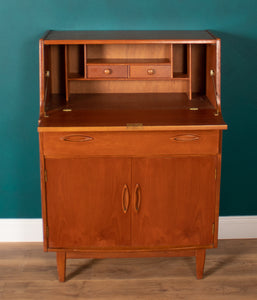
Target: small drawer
107,71
130,143
150,71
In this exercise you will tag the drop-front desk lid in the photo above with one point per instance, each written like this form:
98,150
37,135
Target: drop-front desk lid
131,112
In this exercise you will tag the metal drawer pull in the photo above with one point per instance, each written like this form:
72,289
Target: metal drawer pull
150,71
186,138
125,199
137,197
107,71
77,138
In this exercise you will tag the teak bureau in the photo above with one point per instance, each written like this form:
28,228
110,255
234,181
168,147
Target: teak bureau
130,135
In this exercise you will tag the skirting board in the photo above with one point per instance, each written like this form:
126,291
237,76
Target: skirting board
30,230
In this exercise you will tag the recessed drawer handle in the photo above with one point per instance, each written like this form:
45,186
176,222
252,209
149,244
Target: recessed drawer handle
186,138
77,138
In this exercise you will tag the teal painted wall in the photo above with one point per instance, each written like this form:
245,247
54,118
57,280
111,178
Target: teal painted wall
22,23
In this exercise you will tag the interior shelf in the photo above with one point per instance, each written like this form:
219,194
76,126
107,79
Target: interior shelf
180,75
121,61
75,76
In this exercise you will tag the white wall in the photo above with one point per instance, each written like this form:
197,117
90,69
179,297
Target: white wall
30,230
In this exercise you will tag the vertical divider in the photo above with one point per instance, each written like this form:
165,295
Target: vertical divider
66,73
218,72
42,77
171,60
189,70
85,61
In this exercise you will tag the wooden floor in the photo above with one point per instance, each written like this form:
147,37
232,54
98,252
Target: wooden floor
26,272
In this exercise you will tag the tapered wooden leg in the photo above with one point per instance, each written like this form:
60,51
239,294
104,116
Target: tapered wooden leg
61,265
200,260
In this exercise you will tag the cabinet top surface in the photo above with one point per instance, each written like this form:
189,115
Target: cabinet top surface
129,36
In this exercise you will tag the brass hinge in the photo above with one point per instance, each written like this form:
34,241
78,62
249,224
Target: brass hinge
215,173
213,228
45,175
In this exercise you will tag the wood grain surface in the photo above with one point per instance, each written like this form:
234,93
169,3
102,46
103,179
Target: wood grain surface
178,200
84,201
117,110
29,273
130,143
121,37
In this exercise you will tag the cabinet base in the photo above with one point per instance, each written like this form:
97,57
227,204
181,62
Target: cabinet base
61,257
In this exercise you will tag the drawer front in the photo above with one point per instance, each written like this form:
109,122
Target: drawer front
148,71
130,143
107,71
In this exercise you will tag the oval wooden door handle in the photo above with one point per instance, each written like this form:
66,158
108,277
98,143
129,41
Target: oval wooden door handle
77,138
137,197
186,138
125,199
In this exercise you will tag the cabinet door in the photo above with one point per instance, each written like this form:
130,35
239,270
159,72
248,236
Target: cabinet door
177,205
85,207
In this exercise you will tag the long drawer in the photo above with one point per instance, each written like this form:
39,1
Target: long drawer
130,143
